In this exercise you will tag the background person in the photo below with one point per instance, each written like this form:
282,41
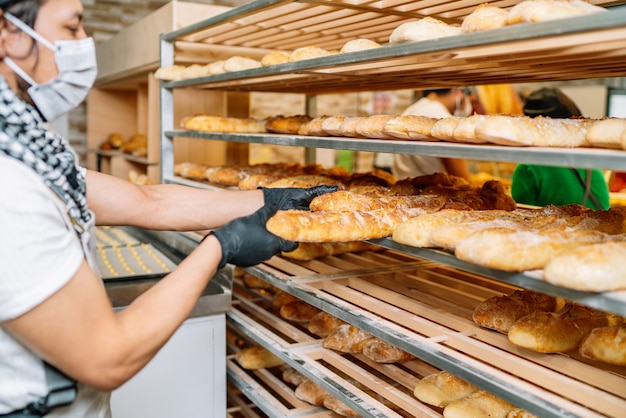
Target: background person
541,185
439,103
53,306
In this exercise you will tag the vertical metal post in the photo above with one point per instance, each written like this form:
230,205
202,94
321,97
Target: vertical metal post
166,104
310,108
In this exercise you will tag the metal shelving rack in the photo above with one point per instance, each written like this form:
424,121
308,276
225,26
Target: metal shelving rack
582,47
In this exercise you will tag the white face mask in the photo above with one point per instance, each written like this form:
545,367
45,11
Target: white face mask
463,106
77,66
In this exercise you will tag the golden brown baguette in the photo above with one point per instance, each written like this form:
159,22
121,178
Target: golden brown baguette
298,311
257,357
551,332
441,389
383,352
347,339
323,323
606,344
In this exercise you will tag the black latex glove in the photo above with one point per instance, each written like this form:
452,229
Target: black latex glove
246,242
294,197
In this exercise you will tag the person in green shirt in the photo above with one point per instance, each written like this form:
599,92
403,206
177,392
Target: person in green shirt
540,185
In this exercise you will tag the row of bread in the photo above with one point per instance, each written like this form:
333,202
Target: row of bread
476,129
575,246
546,324
439,390
240,63
136,145
484,17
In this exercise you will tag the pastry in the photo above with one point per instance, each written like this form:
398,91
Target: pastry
359,44
421,30
485,17
257,357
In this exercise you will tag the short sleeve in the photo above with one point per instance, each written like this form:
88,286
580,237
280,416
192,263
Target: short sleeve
40,250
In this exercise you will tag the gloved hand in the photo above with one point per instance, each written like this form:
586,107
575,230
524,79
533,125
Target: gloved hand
246,242
294,197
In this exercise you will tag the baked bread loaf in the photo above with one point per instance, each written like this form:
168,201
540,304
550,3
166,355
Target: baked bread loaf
254,181
304,226
312,250
323,323
381,351
444,128
282,298
298,311
552,332
291,375
484,17
314,394
605,344
348,127
410,127
254,282
286,124
347,339
465,130
314,127
308,52
257,357
540,131
421,30
606,133
478,404
359,44
441,389
501,312
515,250
194,71
238,63
331,125
208,123
304,181
191,170
529,11
310,392
170,72
593,268
216,67
274,58
373,126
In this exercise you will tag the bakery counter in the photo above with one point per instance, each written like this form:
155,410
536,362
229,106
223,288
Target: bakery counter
425,309
168,249
190,369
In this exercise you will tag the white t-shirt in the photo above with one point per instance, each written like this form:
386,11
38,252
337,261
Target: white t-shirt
40,254
409,165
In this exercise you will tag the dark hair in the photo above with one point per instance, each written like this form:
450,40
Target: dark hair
550,102
438,92
24,10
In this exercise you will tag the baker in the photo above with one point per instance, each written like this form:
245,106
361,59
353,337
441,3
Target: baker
62,346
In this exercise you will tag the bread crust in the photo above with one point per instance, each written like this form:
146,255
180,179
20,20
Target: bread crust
501,312
605,344
552,332
421,30
592,268
257,357
485,17
347,339
441,389
381,351
410,127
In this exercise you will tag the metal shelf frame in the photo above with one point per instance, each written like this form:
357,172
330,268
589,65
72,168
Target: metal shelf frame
592,46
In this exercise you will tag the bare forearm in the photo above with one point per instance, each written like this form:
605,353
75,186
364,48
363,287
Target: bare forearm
165,207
